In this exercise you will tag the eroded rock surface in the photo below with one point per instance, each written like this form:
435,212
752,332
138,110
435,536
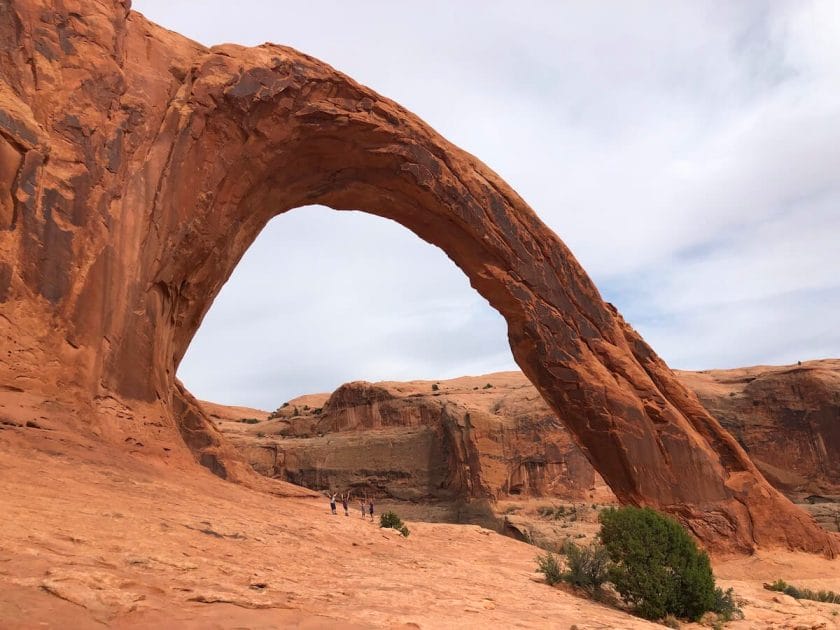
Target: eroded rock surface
468,438
494,437
138,166
786,417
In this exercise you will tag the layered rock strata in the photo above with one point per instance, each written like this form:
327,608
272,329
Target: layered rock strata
494,437
456,440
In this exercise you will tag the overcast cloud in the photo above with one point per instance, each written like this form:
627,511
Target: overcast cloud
687,152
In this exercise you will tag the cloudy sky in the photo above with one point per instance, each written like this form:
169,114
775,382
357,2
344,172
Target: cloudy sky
687,152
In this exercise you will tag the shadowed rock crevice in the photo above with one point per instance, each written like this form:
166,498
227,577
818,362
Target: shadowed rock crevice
187,152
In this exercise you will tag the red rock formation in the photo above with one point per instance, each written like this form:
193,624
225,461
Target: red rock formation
787,418
398,438
451,440
138,166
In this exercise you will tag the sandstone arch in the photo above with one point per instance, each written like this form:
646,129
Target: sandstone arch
131,187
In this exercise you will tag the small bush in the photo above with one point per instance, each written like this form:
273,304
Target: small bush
657,568
249,420
828,597
671,622
549,511
725,606
488,386
435,387
547,565
391,520
588,567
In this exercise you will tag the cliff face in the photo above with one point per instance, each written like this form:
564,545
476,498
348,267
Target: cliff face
138,167
460,439
787,418
447,440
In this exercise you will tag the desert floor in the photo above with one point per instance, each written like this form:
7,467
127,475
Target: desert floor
93,537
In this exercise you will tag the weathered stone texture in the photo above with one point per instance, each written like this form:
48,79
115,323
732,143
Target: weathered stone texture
147,166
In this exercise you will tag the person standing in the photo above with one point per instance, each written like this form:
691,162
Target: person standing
362,507
345,503
332,503
370,509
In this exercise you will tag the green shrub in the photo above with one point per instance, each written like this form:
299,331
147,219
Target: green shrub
588,567
435,387
487,386
725,605
389,519
657,568
829,597
547,565
249,420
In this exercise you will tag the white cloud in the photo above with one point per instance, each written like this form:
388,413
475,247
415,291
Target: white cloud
687,153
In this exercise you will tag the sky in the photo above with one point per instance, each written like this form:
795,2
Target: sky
687,152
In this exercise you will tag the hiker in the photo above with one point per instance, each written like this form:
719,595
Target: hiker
345,503
362,507
332,502
370,508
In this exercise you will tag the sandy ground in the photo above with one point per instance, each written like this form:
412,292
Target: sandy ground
92,538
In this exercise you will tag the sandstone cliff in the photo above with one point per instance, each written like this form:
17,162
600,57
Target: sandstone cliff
472,437
786,417
494,437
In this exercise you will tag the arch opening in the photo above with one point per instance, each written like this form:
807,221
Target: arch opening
361,298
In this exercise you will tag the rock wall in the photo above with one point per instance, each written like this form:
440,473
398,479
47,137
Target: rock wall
787,418
450,440
494,437
138,166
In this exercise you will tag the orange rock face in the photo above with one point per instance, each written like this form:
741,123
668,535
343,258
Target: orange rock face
494,437
467,438
787,418
138,166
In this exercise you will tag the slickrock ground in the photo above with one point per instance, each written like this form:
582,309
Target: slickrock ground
92,537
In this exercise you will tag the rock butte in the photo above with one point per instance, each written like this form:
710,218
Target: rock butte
138,166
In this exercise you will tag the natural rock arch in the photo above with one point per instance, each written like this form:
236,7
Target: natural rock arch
132,187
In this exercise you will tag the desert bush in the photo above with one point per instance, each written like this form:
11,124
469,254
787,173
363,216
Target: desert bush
548,565
391,520
588,567
671,622
249,420
487,386
725,605
829,597
435,387
657,568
